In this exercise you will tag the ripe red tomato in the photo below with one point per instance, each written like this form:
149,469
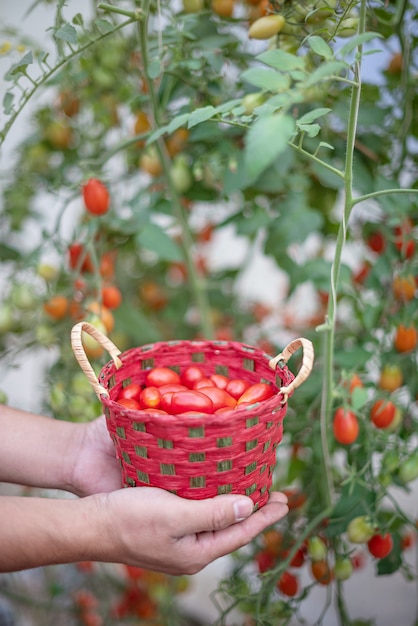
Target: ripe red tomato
190,400
96,197
322,572
265,560
236,387
256,393
159,376
376,242
203,382
299,558
79,259
380,545
150,397
220,398
219,380
191,375
288,584
382,413
130,392
129,403
345,426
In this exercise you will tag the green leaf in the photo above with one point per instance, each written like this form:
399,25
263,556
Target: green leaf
281,60
67,33
201,115
8,102
266,139
103,26
19,67
356,41
268,79
140,328
359,398
313,115
391,563
326,70
8,254
310,129
154,69
154,238
320,47
178,121
355,500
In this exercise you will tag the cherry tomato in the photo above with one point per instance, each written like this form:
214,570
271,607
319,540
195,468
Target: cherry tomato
170,387
288,584
165,402
266,27
130,392
219,397
219,380
360,529
391,377
404,287
322,572
79,259
376,242
380,545
111,296
299,558
265,561
56,307
159,376
150,397
343,568
203,382
256,393
191,375
273,541
96,197
406,338
382,413
345,426
223,8
317,549
129,403
190,400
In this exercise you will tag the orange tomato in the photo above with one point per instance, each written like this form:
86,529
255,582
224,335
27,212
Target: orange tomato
56,307
390,377
111,296
404,287
103,313
322,572
176,142
405,338
223,8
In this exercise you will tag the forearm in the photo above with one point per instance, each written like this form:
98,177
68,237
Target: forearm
36,450
44,531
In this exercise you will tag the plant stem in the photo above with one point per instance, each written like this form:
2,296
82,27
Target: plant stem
381,192
196,281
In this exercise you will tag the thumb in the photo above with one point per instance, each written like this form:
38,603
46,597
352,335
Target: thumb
215,513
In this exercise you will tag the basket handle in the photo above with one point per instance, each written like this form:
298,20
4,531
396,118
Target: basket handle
305,369
80,355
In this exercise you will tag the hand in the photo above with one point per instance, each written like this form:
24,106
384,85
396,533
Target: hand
155,529
95,468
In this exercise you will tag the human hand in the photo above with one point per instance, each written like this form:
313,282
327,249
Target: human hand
94,468
155,529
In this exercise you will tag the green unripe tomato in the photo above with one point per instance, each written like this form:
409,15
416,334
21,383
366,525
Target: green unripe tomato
193,6
343,569
23,297
317,550
360,529
45,335
251,101
47,271
181,175
408,469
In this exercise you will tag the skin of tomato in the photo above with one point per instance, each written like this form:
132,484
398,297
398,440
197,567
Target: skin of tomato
165,403
256,393
191,375
129,403
159,376
383,413
405,338
380,545
219,380
288,584
265,561
236,387
321,572
203,382
96,197
171,387
130,392
190,400
345,426
219,397
150,398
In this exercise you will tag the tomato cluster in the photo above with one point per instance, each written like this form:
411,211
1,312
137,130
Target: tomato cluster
191,391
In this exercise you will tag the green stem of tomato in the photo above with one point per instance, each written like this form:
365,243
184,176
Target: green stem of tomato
327,390
196,280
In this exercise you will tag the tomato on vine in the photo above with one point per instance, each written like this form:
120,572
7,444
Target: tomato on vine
288,584
406,338
383,413
380,546
345,426
96,197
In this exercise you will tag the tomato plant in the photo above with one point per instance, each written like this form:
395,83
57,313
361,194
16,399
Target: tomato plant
380,545
233,171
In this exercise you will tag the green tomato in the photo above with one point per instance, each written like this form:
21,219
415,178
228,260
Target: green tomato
193,6
180,174
408,469
343,568
45,335
251,101
360,529
47,271
317,550
23,297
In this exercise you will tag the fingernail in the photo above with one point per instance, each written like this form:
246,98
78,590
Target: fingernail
243,508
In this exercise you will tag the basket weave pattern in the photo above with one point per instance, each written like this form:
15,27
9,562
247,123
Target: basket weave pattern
203,456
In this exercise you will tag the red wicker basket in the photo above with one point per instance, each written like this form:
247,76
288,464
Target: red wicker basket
204,455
